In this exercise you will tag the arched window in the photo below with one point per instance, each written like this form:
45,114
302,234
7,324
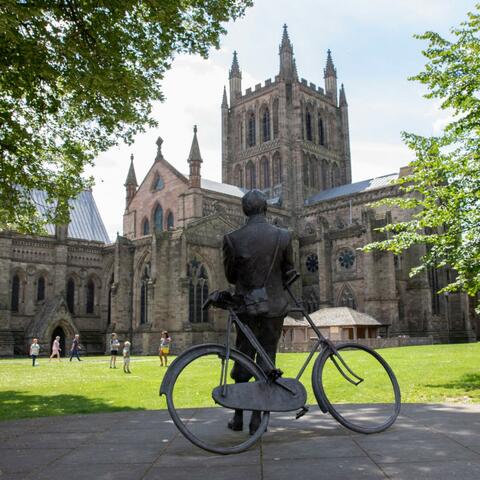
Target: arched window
335,176
265,172
170,221
90,294
251,179
313,172
158,218
238,176
240,134
251,130
275,118
321,131
71,295
347,298
15,293
306,171
158,183
144,296
308,126
110,293
266,125
277,169
326,175
146,227
197,292
41,289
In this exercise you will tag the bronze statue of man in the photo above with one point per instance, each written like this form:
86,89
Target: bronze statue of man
256,259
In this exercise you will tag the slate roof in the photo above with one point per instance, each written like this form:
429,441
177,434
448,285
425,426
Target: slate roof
351,188
85,220
222,188
335,317
233,190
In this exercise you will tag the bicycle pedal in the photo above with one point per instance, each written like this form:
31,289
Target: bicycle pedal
301,413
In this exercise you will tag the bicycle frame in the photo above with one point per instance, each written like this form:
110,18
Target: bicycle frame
272,372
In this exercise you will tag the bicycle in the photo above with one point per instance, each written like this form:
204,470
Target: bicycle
270,391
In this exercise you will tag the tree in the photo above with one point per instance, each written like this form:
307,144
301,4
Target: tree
443,187
77,77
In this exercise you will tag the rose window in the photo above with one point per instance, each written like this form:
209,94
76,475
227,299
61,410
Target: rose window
346,259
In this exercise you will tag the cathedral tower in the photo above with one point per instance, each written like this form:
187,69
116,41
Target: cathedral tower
287,137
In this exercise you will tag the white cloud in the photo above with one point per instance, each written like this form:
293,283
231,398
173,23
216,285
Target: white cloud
376,159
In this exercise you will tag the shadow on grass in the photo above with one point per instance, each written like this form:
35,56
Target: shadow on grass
17,404
467,382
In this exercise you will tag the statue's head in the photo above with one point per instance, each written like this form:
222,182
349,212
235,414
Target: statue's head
254,202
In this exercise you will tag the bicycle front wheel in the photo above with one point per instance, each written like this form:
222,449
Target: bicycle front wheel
192,377
372,403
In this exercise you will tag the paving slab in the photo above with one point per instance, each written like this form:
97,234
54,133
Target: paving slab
428,441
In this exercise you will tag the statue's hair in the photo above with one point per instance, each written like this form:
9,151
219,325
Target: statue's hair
254,202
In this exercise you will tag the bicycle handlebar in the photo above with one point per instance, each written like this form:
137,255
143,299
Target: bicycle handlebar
224,299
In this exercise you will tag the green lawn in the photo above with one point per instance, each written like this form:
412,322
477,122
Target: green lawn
439,373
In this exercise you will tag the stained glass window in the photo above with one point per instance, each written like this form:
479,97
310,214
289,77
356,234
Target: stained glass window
346,259
170,221
347,298
15,293
159,184
41,289
146,227
266,125
251,130
197,292
158,218
90,296
71,295
312,262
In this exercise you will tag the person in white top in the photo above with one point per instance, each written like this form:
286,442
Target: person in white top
114,346
34,350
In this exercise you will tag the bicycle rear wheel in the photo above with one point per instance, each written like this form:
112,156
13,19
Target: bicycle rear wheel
206,426
369,407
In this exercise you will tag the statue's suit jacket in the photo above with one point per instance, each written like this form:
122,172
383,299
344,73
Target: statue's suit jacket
247,255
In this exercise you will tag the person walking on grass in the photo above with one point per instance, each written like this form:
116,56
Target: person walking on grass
75,350
164,349
114,346
56,349
126,357
34,350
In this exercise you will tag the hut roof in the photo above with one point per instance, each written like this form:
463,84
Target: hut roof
335,317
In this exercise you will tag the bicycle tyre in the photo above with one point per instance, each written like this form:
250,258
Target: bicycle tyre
326,404
186,359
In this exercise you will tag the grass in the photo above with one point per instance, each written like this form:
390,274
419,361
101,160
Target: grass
427,374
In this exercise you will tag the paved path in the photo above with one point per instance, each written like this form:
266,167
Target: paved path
427,442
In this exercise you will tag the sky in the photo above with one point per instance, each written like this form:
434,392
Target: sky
373,50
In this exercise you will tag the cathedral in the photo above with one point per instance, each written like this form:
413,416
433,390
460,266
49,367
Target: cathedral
286,137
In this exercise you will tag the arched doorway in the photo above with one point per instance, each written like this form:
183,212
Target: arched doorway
58,332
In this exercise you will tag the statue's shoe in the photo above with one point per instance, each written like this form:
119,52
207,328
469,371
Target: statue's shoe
235,424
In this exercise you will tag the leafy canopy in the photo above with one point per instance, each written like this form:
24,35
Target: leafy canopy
443,187
78,76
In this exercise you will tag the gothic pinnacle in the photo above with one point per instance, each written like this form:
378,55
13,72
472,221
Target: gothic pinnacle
329,70
195,149
343,97
224,99
235,70
131,177
286,44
